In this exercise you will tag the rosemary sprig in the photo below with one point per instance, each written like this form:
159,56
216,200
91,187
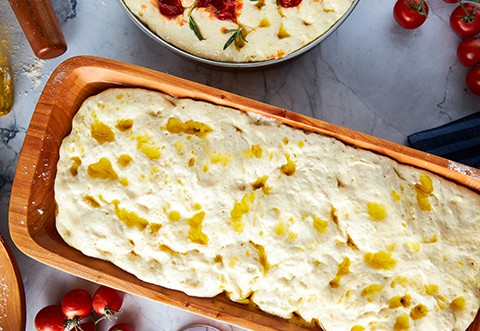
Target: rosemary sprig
237,34
192,24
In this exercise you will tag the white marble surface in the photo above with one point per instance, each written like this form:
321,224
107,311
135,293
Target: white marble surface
370,75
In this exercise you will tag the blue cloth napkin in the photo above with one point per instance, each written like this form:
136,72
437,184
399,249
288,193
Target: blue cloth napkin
457,141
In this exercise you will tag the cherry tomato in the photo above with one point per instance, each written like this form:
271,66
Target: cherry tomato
77,303
107,301
450,1
473,80
468,52
87,326
465,20
50,318
122,327
410,14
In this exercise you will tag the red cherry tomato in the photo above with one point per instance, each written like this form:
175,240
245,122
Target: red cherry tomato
122,327
87,326
410,14
468,52
50,318
450,1
77,303
465,20
473,80
107,301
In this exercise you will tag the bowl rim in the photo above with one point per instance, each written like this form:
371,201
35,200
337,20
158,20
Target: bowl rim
237,65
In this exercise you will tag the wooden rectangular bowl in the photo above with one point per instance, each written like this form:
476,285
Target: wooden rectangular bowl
32,206
12,295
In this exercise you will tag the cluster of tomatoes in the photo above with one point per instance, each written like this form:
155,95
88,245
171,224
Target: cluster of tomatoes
464,21
80,311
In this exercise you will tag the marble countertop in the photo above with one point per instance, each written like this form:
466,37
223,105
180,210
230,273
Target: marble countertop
370,75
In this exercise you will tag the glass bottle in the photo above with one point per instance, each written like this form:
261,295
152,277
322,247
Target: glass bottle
6,82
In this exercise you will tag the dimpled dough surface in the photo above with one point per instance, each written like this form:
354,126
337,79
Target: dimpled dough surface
206,199
271,31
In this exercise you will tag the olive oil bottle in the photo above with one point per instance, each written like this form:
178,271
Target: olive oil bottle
6,83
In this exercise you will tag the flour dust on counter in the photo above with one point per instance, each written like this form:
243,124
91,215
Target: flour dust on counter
207,199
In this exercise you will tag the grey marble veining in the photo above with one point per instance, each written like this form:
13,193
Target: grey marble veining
370,75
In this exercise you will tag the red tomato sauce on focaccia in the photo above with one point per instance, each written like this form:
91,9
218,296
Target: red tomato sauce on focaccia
170,8
223,9
289,3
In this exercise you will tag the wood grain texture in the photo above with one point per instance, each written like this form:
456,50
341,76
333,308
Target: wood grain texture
32,206
12,295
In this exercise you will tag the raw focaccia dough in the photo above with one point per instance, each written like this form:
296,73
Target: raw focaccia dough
206,199
272,31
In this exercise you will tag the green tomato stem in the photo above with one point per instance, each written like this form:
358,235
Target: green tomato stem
469,17
418,7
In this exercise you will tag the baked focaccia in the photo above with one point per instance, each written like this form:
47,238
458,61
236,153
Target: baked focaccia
239,30
207,199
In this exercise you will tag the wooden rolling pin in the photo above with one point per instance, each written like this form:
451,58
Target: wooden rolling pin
41,27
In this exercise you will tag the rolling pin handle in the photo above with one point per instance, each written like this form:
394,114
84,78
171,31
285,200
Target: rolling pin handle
40,25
